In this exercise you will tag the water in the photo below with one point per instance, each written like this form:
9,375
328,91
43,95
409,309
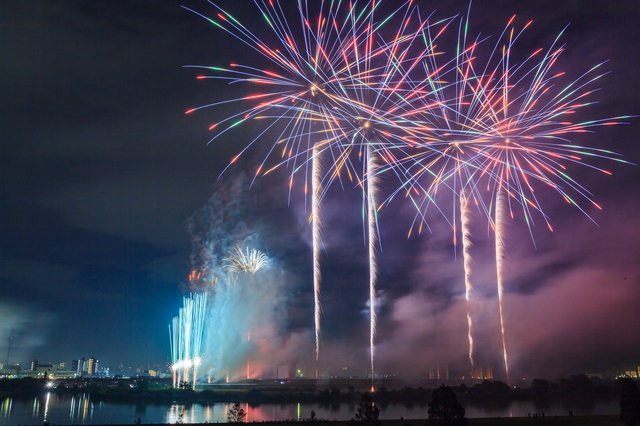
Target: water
81,410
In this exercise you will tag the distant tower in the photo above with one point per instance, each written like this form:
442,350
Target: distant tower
34,365
9,349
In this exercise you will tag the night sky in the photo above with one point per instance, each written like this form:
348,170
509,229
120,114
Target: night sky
100,170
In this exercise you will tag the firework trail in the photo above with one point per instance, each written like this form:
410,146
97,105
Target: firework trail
465,218
250,261
186,337
173,343
372,233
500,256
315,204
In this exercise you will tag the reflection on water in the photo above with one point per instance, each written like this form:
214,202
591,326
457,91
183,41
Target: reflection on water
46,406
81,410
5,411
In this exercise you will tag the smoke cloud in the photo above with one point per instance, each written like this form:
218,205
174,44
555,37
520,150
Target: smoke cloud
29,327
247,313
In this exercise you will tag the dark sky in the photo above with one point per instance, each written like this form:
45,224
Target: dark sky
100,169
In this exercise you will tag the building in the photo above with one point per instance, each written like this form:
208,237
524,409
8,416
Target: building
92,366
45,369
286,371
439,373
10,371
485,373
62,374
34,365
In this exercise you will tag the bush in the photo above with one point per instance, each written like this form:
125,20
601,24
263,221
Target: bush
368,413
236,413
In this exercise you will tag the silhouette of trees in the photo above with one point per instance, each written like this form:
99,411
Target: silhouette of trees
580,384
444,406
541,387
629,402
367,413
312,420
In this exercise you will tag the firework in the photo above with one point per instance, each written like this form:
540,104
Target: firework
500,256
341,89
372,232
249,261
466,249
329,87
315,200
186,338
505,123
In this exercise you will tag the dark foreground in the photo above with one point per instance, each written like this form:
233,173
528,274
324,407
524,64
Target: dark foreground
611,420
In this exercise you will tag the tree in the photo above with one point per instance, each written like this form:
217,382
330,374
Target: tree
236,413
444,406
313,420
368,413
540,387
629,402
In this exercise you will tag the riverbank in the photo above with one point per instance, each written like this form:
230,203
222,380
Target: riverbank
605,420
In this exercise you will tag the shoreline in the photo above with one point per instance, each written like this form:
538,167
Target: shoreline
593,420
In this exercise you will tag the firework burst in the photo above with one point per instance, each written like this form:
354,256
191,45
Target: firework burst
249,261
505,124
326,85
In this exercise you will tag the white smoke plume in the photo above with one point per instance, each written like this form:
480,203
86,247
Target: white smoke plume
247,310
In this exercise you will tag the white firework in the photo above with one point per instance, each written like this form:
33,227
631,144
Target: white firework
249,261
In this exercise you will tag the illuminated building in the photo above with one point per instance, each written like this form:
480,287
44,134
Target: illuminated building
436,373
92,366
485,373
45,368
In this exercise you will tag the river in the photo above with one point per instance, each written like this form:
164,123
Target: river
81,410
